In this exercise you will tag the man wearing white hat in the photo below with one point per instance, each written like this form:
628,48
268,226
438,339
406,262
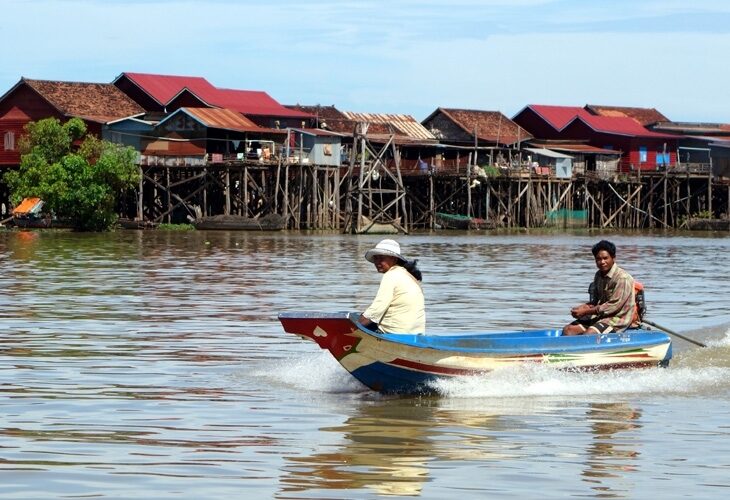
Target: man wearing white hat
399,306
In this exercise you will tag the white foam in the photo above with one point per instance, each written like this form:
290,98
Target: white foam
316,372
545,381
696,371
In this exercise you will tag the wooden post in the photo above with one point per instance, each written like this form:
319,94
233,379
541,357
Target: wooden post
709,189
664,197
140,198
169,195
431,201
204,211
468,186
227,192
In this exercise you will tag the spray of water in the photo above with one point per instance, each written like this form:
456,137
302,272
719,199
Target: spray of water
693,371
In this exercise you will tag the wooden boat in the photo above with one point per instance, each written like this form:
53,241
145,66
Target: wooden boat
136,224
369,226
456,221
407,364
270,222
30,214
699,224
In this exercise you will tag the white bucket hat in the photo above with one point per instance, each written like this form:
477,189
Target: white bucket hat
385,247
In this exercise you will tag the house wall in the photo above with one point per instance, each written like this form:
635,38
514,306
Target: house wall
633,157
23,105
446,130
536,125
137,95
276,122
185,100
127,133
326,151
720,161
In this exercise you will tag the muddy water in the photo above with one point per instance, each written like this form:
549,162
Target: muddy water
151,365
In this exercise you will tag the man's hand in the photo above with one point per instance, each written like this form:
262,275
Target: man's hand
581,310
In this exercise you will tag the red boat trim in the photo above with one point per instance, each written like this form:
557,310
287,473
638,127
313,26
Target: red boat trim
459,371
431,368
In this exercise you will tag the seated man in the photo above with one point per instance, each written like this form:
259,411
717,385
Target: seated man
611,307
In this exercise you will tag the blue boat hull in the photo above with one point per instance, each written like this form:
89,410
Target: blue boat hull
405,363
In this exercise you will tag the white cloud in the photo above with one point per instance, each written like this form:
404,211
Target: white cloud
409,57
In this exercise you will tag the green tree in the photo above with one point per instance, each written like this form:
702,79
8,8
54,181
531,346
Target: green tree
77,182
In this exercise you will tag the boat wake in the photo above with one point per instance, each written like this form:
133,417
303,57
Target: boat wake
694,371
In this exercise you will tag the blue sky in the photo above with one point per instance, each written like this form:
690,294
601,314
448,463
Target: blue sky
397,56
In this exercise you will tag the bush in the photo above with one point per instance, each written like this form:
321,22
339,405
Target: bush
81,184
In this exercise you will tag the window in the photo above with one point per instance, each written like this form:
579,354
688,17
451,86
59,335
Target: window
662,158
643,153
9,143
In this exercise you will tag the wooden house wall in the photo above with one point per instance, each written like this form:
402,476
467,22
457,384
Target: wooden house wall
137,95
23,105
162,147
628,145
720,161
446,130
276,122
10,157
127,133
185,100
536,125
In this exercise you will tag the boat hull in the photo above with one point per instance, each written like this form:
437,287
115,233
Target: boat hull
403,363
270,222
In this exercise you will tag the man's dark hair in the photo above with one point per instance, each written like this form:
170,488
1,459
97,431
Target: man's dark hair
604,245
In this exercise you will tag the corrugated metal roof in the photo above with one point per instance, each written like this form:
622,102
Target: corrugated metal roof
251,102
619,125
579,148
164,88
558,116
547,152
402,124
220,118
693,128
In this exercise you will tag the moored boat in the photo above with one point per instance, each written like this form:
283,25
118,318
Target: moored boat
29,214
393,363
701,224
270,222
456,221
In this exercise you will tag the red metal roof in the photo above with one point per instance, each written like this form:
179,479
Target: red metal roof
558,116
251,102
618,125
164,88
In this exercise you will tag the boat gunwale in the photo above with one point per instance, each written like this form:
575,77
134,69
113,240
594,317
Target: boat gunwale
593,343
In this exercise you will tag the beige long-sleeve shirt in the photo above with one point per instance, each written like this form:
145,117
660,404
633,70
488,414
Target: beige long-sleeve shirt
399,306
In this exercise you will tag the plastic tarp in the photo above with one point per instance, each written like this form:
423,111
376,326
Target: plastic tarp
29,206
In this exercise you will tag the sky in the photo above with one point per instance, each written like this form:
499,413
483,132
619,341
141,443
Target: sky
397,56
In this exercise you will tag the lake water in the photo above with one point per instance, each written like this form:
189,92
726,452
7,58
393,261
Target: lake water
152,365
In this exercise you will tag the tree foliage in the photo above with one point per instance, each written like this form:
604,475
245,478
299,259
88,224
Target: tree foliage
77,182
